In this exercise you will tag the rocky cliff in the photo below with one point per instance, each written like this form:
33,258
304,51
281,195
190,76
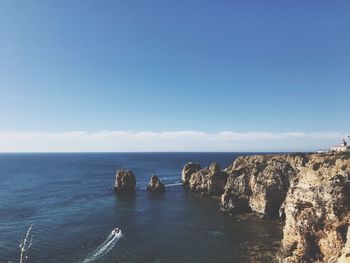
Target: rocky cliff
317,211
210,180
310,192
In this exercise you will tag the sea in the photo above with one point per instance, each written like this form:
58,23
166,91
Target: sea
61,208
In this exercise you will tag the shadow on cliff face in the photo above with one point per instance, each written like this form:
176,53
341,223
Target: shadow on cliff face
273,206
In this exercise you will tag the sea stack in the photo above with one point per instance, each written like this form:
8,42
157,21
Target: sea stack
125,182
155,185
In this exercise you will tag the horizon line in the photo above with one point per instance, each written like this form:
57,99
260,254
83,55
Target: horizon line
127,141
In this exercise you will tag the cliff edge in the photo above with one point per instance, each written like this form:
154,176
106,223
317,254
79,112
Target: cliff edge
310,192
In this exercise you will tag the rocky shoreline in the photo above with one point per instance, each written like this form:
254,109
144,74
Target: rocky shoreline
309,192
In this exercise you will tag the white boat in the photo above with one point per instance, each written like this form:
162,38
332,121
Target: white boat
116,231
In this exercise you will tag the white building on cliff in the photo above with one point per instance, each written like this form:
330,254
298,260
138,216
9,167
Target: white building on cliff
344,147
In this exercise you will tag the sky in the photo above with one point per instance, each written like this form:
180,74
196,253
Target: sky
162,75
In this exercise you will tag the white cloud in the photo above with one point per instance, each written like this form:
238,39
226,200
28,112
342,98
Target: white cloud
120,141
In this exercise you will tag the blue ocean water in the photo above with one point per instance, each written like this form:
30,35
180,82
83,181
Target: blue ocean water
70,202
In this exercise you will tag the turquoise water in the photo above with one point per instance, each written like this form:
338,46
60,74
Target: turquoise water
70,202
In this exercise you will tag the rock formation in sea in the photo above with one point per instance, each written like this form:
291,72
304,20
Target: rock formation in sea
310,192
155,185
125,181
210,180
188,170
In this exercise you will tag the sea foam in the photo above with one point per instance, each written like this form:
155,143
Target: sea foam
105,247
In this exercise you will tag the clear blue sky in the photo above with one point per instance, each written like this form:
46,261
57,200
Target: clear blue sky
211,66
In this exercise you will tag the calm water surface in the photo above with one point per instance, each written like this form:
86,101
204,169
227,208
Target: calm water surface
69,200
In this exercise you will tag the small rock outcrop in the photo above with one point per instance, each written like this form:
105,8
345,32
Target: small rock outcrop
210,180
125,181
155,185
188,170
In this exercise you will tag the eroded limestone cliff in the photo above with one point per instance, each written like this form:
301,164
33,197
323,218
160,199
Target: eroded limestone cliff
317,211
210,180
311,192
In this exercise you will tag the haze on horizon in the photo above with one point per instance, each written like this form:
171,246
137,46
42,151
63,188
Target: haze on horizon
173,75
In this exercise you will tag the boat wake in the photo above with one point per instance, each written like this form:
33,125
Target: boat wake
105,247
25,245
174,184
166,185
